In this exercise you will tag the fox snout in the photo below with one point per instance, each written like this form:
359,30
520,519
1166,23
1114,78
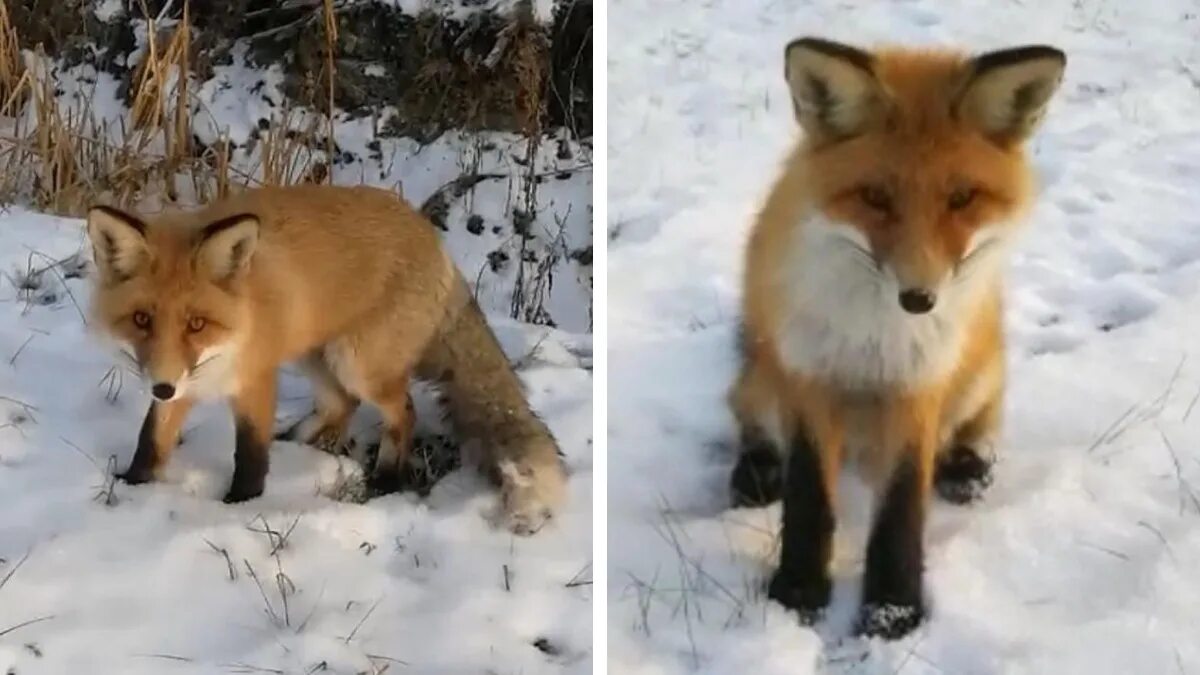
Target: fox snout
919,279
917,300
165,376
164,388
926,275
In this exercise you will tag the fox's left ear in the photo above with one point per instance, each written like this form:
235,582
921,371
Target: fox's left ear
227,245
1006,91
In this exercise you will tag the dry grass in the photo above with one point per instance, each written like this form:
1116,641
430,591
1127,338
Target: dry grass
61,151
61,157
10,58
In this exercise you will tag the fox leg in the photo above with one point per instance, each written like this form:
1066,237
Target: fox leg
159,435
325,427
892,602
758,476
399,419
964,466
963,470
802,580
254,418
375,367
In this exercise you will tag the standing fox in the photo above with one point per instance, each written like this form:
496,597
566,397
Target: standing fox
352,283
872,311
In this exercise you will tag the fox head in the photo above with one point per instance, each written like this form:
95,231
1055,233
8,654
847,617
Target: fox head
914,160
172,292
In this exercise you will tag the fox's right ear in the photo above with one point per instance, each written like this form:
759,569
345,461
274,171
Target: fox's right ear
834,90
118,242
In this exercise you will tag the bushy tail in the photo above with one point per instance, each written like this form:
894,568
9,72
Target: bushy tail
486,404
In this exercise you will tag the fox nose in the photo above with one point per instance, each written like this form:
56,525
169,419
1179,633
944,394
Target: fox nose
163,391
917,300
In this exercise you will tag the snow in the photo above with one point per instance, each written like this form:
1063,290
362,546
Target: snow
103,578
461,10
107,10
1081,558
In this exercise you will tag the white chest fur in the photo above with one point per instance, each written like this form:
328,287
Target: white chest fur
842,321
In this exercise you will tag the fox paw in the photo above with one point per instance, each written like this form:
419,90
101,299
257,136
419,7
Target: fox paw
136,475
807,597
529,496
381,483
962,475
889,621
757,478
243,490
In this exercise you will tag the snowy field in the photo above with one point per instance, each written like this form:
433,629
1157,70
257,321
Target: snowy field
99,577
1084,556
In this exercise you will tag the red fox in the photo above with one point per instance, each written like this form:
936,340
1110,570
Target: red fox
351,283
872,308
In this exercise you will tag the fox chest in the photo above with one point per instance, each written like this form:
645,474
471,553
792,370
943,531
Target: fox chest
864,347
841,322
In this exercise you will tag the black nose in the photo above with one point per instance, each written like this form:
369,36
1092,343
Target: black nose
917,300
163,391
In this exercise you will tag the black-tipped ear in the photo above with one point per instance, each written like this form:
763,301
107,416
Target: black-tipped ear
226,246
834,90
1006,91
118,242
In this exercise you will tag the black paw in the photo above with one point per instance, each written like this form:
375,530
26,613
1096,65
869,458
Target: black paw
889,621
808,597
382,483
962,475
136,476
757,479
242,491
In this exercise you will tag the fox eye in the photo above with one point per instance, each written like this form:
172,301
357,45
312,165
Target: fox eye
961,198
141,320
197,324
875,197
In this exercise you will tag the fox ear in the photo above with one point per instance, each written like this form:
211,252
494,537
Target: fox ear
1006,91
118,242
834,90
227,245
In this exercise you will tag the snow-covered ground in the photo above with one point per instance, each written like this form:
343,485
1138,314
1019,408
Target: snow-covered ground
97,577
1084,556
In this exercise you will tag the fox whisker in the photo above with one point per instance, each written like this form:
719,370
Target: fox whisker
131,359
862,256
968,264
199,366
